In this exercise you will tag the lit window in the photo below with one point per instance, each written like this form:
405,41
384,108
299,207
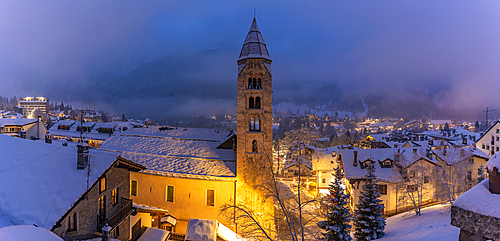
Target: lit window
72,222
115,196
102,185
102,206
210,197
169,195
382,189
323,180
133,188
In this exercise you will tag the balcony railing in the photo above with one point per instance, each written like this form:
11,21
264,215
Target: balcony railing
114,220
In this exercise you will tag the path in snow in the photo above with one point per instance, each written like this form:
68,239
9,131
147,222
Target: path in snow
432,225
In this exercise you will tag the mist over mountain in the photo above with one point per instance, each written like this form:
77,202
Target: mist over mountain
204,83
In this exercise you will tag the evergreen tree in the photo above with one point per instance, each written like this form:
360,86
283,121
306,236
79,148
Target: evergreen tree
337,225
480,174
368,221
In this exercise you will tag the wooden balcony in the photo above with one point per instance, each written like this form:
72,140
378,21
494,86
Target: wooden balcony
115,219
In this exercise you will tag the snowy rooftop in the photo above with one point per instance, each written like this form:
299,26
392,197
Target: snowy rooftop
27,232
21,122
189,151
40,181
93,126
480,200
408,157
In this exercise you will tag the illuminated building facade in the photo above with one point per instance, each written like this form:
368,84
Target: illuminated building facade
30,104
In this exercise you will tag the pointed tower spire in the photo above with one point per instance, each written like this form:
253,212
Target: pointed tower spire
254,45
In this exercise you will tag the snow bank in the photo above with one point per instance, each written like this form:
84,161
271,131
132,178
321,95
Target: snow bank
480,200
153,234
27,233
493,162
201,230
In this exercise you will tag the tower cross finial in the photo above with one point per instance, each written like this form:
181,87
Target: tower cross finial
253,12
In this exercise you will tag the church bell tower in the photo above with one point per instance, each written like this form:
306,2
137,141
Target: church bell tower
254,105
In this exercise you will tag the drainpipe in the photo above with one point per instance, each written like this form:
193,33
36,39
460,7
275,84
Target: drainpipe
234,209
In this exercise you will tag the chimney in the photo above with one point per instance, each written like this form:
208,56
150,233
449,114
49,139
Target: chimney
414,150
431,142
464,140
83,155
355,163
494,176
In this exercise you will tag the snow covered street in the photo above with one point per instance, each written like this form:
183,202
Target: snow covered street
432,225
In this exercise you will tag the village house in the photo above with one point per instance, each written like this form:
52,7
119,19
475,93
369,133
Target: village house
94,133
23,128
490,141
398,171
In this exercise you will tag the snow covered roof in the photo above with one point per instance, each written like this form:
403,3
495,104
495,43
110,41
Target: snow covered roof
184,167
187,151
493,162
20,122
154,234
480,200
40,181
93,126
407,158
254,45
27,232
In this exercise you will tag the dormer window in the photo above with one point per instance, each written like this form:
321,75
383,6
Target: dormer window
386,163
366,163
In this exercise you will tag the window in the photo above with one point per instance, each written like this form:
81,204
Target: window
382,189
469,176
412,173
257,102
258,86
323,180
210,197
426,179
412,188
487,147
72,221
483,146
250,85
498,138
169,194
117,232
254,146
498,131
115,195
254,124
133,188
102,185
102,206
251,103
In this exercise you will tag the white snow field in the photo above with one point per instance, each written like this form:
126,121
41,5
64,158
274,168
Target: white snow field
432,225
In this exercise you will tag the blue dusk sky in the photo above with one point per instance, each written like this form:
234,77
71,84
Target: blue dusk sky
362,46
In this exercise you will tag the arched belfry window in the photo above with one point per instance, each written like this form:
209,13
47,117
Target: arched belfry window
254,124
257,102
258,85
254,83
251,122
250,84
254,146
251,103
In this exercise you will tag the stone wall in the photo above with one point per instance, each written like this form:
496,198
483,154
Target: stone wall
474,226
87,207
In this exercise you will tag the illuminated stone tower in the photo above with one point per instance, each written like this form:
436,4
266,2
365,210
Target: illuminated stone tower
254,107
